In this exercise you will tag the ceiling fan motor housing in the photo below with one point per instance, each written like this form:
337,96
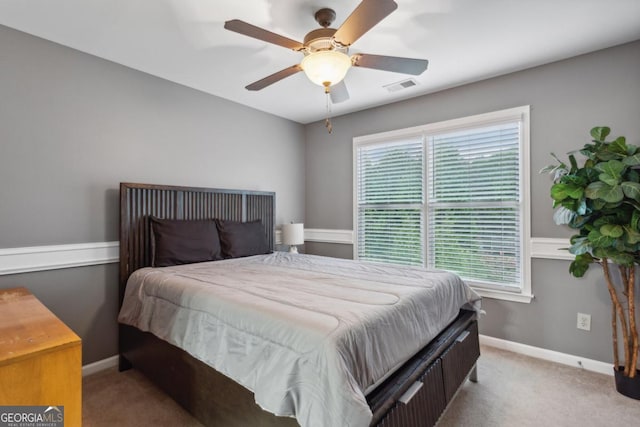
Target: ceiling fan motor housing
322,39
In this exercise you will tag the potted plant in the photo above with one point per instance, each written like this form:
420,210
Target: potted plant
601,200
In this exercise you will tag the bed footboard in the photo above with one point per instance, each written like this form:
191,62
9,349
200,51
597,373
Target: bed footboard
417,395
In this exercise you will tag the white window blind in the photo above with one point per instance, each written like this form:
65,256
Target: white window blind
451,195
474,204
389,187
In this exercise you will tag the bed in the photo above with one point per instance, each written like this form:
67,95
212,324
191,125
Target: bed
412,389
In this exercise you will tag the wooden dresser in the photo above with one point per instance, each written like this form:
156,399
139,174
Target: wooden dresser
40,357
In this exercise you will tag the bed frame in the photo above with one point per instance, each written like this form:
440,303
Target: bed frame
415,395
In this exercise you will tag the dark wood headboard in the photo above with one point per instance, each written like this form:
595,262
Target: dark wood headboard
140,201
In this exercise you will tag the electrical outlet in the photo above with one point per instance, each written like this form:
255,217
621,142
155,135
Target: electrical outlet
584,321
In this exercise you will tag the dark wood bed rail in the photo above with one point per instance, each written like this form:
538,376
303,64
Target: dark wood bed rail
138,202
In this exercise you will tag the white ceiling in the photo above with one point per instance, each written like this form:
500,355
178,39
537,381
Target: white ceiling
465,40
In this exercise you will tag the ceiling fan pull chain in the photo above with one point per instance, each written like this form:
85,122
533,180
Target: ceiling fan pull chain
327,124
327,121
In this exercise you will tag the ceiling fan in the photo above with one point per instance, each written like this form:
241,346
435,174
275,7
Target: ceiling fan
326,60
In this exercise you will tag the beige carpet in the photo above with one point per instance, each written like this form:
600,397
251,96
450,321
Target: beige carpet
513,390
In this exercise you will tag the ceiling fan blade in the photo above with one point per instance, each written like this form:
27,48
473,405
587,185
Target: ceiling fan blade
339,92
362,19
275,77
390,63
261,34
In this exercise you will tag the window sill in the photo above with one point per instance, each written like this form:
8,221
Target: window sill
505,296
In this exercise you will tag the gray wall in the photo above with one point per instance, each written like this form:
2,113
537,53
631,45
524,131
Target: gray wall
73,126
567,99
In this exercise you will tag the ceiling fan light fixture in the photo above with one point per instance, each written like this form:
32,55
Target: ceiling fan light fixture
326,66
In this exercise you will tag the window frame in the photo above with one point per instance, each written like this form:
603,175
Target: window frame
521,114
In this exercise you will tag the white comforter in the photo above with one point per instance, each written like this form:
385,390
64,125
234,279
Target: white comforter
307,335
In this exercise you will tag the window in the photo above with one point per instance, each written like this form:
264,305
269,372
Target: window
451,195
390,177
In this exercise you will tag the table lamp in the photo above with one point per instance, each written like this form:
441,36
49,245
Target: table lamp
292,235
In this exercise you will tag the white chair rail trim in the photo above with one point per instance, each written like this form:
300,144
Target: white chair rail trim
42,258
550,248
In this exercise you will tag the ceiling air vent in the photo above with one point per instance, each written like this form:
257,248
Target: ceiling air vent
404,84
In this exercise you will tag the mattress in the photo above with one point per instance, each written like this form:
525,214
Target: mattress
308,335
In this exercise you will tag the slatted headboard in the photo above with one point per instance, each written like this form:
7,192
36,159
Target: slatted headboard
140,201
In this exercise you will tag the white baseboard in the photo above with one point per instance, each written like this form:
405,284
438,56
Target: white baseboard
550,355
100,365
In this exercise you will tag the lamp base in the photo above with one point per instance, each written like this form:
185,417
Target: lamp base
293,249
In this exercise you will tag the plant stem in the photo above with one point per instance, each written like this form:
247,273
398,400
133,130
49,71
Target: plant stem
632,321
628,355
614,329
618,307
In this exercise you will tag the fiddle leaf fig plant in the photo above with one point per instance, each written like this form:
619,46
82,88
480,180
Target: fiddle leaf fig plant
600,199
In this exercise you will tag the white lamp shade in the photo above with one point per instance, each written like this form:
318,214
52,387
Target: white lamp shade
293,234
326,67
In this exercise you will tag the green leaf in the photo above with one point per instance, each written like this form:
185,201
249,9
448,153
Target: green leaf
598,240
563,215
600,133
612,230
606,155
549,169
632,236
570,204
623,258
613,206
614,168
632,160
619,145
574,164
622,246
575,180
608,193
573,239
591,174
578,222
603,220
580,246
635,220
608,179
614,255
581,208
561,191
580,265
631,190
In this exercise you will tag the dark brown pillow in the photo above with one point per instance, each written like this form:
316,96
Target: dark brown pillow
239,239
176,242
